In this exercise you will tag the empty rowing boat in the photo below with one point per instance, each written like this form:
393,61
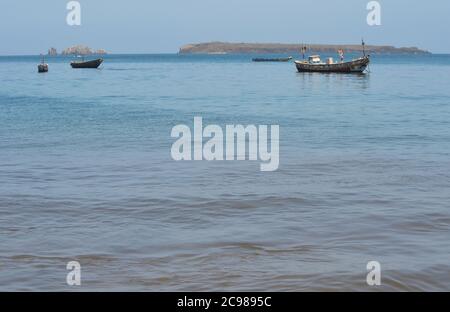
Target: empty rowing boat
86,64
282,59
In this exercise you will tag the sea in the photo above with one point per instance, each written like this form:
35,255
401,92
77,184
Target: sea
86,175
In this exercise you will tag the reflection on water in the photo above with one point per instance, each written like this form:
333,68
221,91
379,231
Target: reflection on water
345,81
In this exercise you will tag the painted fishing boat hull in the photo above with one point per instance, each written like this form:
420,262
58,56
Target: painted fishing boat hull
355,66
87,64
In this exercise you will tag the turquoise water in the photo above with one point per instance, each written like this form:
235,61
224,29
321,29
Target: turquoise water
86,175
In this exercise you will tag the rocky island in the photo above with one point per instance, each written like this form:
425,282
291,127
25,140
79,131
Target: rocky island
279,48
52,52
82,50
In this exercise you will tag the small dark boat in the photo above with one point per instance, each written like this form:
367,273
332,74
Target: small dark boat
314,64
86,64
282,59
43,67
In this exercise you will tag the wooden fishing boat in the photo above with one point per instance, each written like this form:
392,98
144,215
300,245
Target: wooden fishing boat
314,64
86,64
43,67
282,59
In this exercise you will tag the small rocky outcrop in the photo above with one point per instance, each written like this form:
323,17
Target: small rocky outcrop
82,50
52,52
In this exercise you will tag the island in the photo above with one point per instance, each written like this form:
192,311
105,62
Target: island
281,48
52,52
82,50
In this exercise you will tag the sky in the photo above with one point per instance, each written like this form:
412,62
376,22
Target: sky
30,27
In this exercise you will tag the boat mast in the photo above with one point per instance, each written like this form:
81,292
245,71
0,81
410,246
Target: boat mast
364,47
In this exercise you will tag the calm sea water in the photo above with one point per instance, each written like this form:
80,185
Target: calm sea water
86,175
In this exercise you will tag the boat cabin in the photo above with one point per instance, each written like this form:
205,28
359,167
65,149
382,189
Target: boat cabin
314,59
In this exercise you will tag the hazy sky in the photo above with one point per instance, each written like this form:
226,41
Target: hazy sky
152,26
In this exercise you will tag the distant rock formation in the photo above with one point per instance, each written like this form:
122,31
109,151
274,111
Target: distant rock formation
52,52
77,50
82,50
101,52
276,48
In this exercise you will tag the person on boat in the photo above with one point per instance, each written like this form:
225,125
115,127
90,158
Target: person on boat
303,51
341,55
